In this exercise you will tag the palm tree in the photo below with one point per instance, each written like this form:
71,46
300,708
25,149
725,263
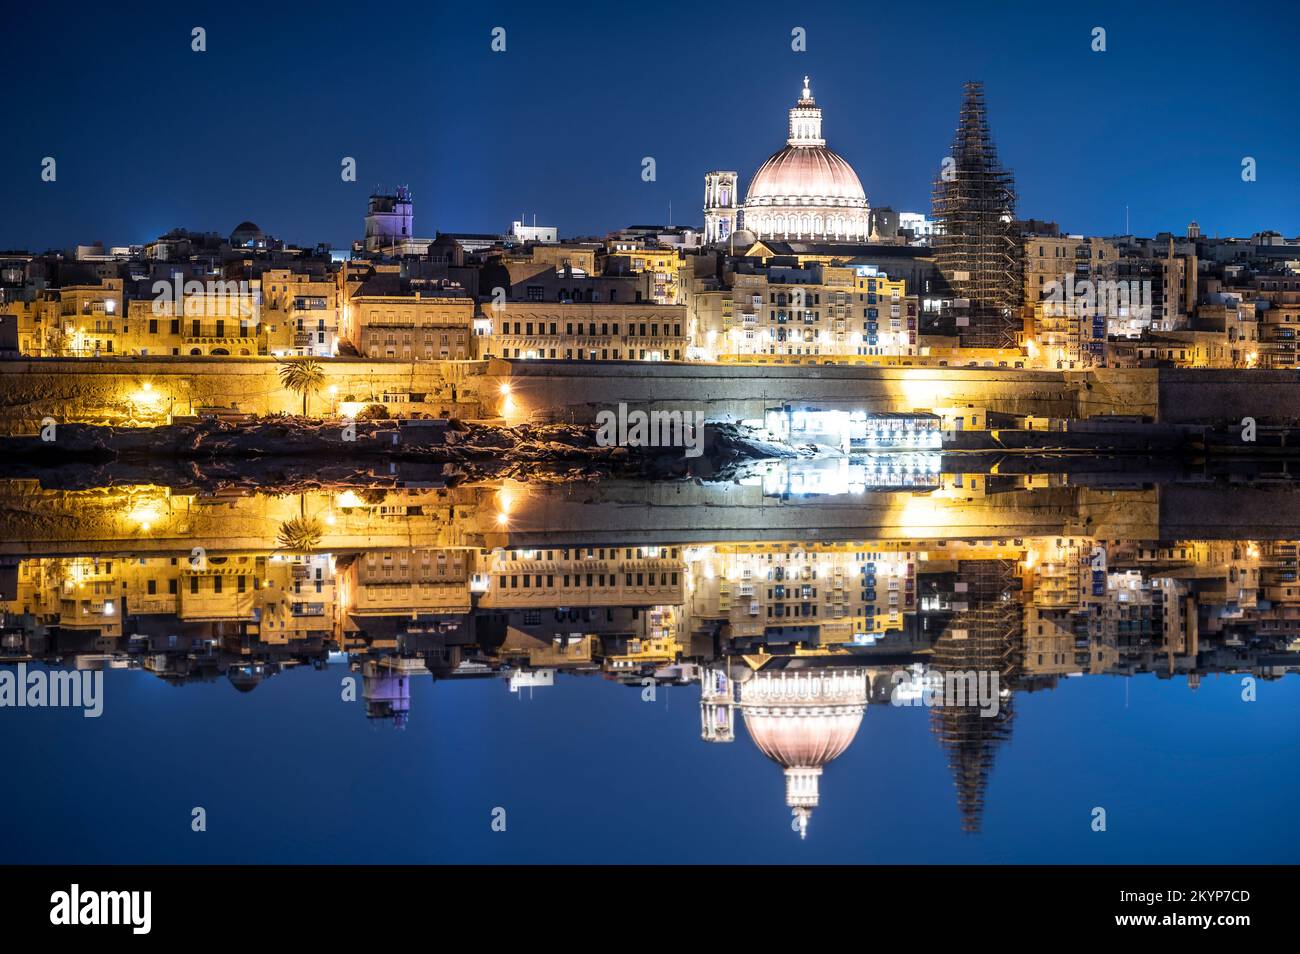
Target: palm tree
302,377
300,535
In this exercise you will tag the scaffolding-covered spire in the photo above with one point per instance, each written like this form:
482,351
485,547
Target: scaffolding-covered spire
976,244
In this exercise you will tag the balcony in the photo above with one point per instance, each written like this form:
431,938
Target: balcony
225,342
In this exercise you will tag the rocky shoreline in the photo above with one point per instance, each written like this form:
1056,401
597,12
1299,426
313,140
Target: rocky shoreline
301,452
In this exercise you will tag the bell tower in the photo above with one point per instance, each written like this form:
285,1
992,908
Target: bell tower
720,206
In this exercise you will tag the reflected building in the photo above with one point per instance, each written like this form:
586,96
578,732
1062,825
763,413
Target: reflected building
386,688
794,638
982,634
801,719
717,705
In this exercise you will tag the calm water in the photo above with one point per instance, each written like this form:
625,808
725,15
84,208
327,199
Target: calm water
588,772
413,678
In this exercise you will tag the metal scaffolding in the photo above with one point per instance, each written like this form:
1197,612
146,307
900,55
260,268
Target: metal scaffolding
976,245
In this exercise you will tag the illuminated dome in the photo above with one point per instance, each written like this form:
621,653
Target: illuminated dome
812,173
805,191
801,720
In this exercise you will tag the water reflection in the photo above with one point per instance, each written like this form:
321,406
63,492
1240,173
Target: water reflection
794,633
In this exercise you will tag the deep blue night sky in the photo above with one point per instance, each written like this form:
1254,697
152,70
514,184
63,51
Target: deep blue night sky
588,772
149,135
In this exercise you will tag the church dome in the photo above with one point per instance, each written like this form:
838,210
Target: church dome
246,232
806,190
807,172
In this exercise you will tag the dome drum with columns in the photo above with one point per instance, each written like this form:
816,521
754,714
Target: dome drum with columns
804,192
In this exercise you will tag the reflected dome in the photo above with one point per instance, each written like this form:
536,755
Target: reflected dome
802,720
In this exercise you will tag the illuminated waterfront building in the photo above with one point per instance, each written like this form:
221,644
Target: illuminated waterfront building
780,311
529,234
536,270
587,331
217,318
37,329
72,321
393,317
660,264
1278,302
302,313
1051,258
1072,309
1167,278
624,598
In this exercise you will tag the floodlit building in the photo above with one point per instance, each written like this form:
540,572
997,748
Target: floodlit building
527,234
393,317
213,318
302,313
815,310
588,331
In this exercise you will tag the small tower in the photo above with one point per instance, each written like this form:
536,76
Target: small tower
720,207
1193,231
389,219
